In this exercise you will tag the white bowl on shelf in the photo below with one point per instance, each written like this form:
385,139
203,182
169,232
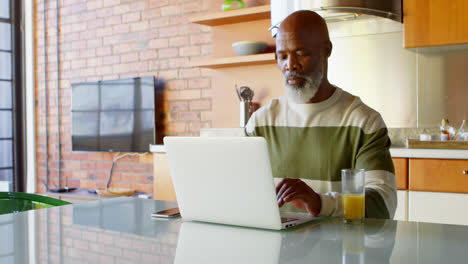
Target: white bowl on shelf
242,48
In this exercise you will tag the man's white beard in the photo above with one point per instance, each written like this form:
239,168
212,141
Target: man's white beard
301,94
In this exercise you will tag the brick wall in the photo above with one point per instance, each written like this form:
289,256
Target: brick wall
112,39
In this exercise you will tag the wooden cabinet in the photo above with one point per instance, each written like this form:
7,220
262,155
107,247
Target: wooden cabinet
438,175
435,22
401,173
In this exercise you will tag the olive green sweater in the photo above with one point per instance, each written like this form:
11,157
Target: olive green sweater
313,142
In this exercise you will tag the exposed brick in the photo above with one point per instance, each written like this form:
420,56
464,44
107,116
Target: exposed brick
178,106
91,5
88,15
140,26
178,62
138,6
76,45
191,7
168,31
189,73
186,116
104,31
88,34
113,20
94,43
159,22
189,29
170,10
200,39
131,17
178,41
121,48
179,20
91,62
79,26
79,174
121,9
148,55
168,53
151,13
195,126
129,57
199,83
158,3
104,12
95,23
103,51
168,74
158,43
177,84
206,115
207,93
189,51
203,104
87,53
183,94
158,65
111,2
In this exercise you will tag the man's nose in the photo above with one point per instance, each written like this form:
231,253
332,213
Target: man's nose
291,63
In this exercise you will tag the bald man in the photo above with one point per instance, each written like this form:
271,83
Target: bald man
317,129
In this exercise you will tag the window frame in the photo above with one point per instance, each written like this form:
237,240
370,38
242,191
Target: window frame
17,95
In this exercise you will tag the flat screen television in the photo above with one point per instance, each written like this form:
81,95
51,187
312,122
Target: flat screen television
113,115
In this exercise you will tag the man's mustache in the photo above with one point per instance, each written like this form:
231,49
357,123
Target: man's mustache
295,74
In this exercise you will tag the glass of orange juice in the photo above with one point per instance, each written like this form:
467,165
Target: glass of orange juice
352,193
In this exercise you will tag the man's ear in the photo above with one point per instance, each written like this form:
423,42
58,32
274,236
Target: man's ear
328,48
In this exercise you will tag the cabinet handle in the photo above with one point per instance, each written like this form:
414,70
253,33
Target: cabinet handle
465,172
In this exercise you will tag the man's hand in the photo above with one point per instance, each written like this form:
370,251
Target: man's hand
298,194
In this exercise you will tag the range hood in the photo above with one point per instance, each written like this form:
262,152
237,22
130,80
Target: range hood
337,10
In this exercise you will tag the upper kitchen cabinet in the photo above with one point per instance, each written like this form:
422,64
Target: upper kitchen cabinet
430,23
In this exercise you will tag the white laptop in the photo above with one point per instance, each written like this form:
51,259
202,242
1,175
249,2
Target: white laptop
210,243
227,180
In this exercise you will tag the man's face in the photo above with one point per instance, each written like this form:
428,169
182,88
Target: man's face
300,58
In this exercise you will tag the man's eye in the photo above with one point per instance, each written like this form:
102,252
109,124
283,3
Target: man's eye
282,56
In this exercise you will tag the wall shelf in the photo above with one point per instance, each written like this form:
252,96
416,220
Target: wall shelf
234,16
249,60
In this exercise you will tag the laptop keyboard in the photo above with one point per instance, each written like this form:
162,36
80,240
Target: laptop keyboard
287,219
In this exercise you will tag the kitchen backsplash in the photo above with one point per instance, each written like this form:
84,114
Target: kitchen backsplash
409,87
398,136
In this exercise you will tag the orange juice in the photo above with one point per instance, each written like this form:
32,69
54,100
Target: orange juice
353,206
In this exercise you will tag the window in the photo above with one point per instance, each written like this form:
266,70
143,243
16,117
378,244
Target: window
11,92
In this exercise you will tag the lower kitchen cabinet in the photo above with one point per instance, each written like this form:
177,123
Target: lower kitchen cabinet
401,212
438,207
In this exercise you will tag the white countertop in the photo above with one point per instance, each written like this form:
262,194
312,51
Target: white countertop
395,152
429,153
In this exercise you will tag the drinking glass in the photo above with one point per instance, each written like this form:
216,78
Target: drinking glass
352,193
353,244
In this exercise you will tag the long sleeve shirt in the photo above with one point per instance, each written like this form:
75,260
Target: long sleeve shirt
313,142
